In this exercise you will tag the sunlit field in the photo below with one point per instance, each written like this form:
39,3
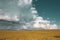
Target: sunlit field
29,34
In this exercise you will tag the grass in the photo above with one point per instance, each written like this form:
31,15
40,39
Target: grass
29,34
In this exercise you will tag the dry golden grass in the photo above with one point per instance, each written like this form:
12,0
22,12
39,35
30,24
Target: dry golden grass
29,34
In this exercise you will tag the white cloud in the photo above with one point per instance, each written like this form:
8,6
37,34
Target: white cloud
40,23
54,26
5,16
32,8
37,21
27,1
45,24
24,2
34,11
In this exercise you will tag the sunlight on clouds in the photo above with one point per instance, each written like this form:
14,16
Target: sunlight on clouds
27,1
5,16
54,26
37,21
45,24
27,13
24,2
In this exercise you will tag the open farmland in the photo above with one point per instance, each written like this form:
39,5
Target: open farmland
29,34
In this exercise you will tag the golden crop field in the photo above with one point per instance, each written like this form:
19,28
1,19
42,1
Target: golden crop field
29,34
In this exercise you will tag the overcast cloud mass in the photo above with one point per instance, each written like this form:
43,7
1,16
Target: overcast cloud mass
24,14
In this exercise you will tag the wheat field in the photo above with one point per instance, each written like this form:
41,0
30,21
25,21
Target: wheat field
29,34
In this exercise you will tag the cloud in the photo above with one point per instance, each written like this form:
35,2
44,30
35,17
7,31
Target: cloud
24,2
38,22
5,16
26,15
34,11
45,24
41,23
54,26
27,1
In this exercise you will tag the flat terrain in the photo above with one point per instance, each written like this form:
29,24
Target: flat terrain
29,34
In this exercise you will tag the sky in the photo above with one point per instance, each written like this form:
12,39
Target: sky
48,9
30,14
